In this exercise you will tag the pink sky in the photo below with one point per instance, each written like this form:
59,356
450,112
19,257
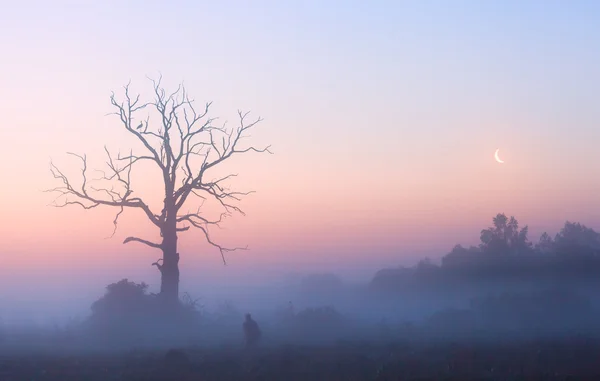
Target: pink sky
380,158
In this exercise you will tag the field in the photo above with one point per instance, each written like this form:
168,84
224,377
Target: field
572,359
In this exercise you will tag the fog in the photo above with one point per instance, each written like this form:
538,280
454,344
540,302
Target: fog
504,289
69,294
428,301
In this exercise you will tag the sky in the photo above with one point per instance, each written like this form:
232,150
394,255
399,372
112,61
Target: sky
383,118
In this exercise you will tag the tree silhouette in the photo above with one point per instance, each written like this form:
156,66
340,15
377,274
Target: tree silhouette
505,236
575,239
185,146
545,244
461,256
505,254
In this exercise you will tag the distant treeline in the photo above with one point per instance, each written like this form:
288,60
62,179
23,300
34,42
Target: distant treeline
505,253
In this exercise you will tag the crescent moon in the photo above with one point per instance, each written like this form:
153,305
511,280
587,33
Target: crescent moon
498,157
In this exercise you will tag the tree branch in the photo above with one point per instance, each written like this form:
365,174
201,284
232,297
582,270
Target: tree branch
116,199
140,240
158,265
228,148
204,229
115,221
184,144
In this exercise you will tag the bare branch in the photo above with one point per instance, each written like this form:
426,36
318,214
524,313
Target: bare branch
115,221
204,229
125,111
82,194
226,149
158,265
140,240
185,143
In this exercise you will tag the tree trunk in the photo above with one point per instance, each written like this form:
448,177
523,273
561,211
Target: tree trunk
169,287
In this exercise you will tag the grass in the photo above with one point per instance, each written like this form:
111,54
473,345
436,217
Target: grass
562,359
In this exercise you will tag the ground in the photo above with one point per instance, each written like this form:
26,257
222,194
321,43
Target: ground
547,360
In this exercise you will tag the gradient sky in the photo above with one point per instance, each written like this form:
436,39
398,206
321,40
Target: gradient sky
383,116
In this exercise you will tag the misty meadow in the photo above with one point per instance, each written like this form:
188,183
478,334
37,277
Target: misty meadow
503,309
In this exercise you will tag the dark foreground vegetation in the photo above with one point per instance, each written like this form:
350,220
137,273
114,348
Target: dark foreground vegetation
504,310
543,360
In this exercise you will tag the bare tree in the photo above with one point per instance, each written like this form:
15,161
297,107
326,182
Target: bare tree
185,146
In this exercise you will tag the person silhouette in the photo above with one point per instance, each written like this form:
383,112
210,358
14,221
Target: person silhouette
251,331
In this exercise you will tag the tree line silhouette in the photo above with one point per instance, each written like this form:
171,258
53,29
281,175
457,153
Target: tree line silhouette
506,253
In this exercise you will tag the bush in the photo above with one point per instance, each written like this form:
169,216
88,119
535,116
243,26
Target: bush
122,311
128,312
122,299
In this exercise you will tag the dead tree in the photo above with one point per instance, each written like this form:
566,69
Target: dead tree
186,146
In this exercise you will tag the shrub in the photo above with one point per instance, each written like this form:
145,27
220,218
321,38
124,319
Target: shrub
128,312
